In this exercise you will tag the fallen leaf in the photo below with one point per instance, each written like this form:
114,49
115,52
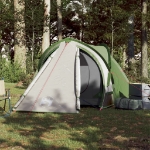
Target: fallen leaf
113,129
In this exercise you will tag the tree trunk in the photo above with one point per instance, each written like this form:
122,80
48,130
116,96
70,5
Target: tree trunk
112,32
33,42
124,58
46,28
144,41
82,22
131,59
19,33
59,17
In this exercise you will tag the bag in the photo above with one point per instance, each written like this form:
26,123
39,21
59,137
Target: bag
126,103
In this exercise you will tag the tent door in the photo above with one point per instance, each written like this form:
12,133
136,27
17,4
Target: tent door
91,82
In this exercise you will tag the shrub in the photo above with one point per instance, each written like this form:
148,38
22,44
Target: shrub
28,79
11,72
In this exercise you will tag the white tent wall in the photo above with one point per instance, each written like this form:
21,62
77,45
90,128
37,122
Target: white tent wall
38,75
54,90
62,45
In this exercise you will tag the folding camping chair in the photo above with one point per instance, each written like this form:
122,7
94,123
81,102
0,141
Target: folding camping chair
4,98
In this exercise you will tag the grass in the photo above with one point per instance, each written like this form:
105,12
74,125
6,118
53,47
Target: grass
91,129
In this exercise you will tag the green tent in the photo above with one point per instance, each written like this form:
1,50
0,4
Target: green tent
72,73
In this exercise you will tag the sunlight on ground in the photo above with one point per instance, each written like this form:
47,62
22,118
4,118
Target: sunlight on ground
120,138
148,114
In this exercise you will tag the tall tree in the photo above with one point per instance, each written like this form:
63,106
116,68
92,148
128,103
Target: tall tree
59,19
144,40
19,33
46,28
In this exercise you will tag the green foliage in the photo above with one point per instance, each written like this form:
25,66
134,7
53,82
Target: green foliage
145,80
34,19
118,55
11,72
28,79
31,65
6,21
133,72
34,11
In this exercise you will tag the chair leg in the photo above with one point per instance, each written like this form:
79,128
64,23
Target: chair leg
4,104
9,105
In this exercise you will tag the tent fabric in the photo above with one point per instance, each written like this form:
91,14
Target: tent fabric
73,73
2,88
78,79
54,90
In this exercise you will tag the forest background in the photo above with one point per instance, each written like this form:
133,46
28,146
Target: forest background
28,27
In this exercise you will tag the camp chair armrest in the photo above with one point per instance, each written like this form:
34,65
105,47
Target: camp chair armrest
5,96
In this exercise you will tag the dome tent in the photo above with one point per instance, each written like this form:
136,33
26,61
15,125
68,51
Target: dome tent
72,73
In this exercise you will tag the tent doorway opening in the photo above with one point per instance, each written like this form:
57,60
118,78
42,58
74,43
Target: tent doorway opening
91,81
